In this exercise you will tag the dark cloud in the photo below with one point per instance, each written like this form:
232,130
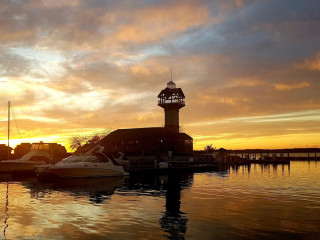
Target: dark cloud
12,65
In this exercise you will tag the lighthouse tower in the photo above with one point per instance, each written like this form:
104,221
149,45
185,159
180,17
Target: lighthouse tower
171,99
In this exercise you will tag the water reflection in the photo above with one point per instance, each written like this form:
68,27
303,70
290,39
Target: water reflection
239,202
173,221
253,169
97,189
6,212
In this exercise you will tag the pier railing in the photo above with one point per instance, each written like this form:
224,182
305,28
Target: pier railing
255,155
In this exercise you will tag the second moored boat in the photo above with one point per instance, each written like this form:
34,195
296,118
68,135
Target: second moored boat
40,153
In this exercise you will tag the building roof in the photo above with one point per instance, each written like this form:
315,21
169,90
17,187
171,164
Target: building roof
168,92
145,133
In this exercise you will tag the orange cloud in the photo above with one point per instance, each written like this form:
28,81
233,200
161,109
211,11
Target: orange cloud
150,68
231,4
52,4
247,82
140,70
152,24
289,87
11,35
310,64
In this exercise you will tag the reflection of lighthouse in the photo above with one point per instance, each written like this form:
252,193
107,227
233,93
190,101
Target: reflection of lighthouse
173,220
171,99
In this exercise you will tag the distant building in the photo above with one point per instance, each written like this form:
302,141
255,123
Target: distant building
4,152
158,140
22,149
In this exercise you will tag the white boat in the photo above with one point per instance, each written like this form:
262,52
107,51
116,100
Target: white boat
93,163
40,153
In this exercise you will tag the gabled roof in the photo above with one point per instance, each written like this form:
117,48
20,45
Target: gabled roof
144,133
168,92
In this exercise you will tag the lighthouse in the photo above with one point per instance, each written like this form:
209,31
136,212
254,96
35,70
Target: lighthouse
171,99
154,141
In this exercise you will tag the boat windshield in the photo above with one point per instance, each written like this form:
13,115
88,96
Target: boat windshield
26,157
93,157
97,157
34,156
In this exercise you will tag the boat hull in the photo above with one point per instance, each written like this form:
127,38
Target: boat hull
78,172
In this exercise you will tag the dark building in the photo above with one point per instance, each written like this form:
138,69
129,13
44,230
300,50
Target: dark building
147,141
158,140
57,150
21,150
4,152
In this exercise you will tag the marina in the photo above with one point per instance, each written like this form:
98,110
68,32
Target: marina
177,120
150,149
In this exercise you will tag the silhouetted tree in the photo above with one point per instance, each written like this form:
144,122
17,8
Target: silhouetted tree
77,142
209,148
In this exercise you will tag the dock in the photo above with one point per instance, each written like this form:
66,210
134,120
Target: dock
201,161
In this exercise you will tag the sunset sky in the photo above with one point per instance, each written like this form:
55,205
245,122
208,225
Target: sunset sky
250,69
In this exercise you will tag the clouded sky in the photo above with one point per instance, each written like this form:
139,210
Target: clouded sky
250,69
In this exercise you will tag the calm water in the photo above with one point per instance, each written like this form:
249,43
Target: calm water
260,202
